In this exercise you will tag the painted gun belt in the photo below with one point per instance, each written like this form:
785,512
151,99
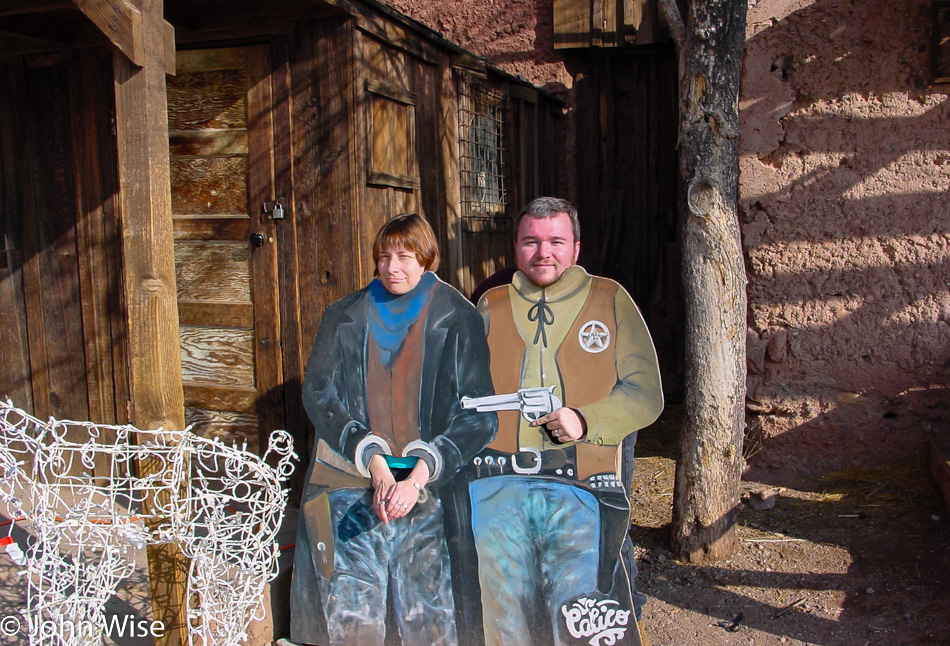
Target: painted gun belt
556,463
551,462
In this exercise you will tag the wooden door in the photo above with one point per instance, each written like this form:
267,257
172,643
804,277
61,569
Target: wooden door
222,171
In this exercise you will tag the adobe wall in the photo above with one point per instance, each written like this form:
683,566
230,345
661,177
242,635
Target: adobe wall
844,180
845,214
516,35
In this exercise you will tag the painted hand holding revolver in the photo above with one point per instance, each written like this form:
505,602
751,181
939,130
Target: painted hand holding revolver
539,407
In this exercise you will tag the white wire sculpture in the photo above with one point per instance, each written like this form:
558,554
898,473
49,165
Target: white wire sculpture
92,494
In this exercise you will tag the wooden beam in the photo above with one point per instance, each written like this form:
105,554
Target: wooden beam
19,7
154,375
169,33
120,22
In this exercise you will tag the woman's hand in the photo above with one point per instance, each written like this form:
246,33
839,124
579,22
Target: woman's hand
383,481
403,496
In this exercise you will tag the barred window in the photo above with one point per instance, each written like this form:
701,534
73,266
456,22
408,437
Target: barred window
481,148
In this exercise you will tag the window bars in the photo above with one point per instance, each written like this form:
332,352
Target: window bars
481,148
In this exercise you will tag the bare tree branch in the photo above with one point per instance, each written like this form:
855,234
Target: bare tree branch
670,13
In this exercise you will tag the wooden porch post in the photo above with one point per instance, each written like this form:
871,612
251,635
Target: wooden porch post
155,384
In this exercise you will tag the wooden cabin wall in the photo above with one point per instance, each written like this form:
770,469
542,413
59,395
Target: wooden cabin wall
62,343
626,164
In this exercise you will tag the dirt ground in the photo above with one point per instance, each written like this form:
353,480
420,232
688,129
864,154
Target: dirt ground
858,558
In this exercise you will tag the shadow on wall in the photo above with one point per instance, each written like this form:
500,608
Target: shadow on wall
845,169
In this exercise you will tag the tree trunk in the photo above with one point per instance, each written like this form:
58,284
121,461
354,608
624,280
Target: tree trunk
709,470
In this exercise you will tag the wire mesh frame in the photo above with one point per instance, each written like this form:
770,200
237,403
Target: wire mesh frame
221,505
482,114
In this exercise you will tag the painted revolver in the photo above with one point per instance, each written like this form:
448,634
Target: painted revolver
532,402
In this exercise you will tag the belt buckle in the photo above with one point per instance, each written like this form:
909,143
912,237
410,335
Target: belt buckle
535,468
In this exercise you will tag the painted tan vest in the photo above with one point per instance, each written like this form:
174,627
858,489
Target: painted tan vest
584,377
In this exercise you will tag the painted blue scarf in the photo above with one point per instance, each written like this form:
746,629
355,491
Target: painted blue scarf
391,315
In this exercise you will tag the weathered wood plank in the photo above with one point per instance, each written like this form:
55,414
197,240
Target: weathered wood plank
604,23
230,427
292,345
429,200
393,92
572,23
404,201
210,60
213,271
449,149
14,341
216,313
240,400
207,143
377,209
52,292
213,99
233,228
217,356
15,379
30,268
209,186
94,161
168,33
264,278
378,178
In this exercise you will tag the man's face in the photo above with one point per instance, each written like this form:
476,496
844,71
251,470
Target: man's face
545,248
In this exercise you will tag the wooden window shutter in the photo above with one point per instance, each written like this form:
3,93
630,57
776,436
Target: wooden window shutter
604,23
392,124
572,23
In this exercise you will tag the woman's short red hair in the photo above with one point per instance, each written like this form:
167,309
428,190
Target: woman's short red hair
409,231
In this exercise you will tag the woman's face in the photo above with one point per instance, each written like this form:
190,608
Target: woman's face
399,269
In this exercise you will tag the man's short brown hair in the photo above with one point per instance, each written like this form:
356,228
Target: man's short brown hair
412,232
549,207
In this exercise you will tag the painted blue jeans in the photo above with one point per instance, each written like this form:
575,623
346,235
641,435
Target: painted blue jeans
408,556
538,544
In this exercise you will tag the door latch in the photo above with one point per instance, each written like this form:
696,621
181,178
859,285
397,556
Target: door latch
275,210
